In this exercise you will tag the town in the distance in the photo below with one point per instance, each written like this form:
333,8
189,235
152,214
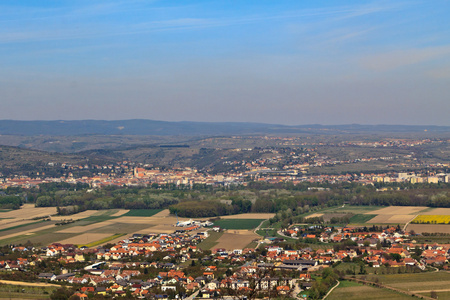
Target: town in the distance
225,217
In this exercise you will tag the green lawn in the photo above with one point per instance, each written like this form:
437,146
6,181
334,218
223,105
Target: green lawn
142,212
238,223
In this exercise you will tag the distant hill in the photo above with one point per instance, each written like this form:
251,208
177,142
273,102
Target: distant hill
163,128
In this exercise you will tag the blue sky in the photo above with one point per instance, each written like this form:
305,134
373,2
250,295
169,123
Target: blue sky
286,62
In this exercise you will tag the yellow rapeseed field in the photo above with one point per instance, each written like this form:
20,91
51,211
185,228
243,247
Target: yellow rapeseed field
431,219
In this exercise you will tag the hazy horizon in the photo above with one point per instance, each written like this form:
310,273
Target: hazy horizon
283,62
217,122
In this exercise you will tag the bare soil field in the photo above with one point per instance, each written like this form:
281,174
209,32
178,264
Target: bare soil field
164,213
249,216
437,211
114,227
430,228
398,210
80,229
85,238
81,215
27,283
236,239
158,229
391,219
315,215
120,212
28,211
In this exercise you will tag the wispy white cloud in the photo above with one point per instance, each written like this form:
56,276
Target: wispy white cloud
94,29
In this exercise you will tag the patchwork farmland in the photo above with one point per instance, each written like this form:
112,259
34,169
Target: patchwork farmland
93,227
88,227
417,218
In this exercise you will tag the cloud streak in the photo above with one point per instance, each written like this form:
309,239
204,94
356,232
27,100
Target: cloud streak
100,29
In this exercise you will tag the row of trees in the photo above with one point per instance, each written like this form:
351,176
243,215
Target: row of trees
10,202
283,197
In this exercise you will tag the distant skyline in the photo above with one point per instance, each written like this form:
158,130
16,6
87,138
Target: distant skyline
280,62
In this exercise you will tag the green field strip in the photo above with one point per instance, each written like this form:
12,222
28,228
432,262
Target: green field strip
238,223
21,225
361,218
142,212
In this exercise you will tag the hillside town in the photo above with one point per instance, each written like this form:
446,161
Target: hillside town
273,165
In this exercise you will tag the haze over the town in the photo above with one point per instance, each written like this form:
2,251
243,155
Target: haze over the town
286,62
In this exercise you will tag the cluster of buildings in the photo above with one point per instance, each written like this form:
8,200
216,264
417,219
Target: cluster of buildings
270,164
161,265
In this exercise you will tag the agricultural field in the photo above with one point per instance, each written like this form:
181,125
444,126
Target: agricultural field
399,210
24,291
85,238
250,216
28,211
120,212
361,218
352,209
90,227
77,216
390,215
395,214
211,241
236,239
436,211
354,291
142,212
417,282
315,215
238,223
391,219
371,214
429,228
431,219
